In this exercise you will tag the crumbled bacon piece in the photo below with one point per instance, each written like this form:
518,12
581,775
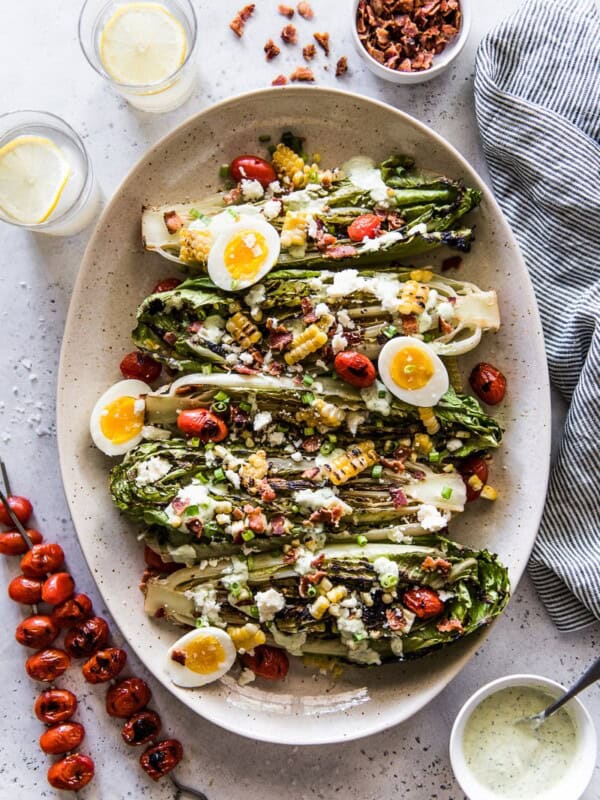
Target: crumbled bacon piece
179,506
309,315
311,444
341,68
275,368
173,221
279,337
445,327
318,561
341,251
395,618
409,324
196,526
322,40
286,11
305,10
303,74
328,516
238,22
170,337
309,52
266,491
450,626
233,197
395,465
179,656
271,50
280,80
399,499
310,580
243,370
291,556
257,521
278,525
436,565
289,34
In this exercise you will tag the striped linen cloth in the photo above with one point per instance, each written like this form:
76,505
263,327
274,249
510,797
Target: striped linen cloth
537,94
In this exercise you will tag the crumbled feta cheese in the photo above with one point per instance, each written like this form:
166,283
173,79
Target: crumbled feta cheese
206,604
421,228
246,358
321,498
268,604
321,309
195,494
152,470
252,189
345,282
261,420
272,209
385,566
431,519
223,519
452,445
303,563
237,572
424,321
338,343
246,677
374,402
296,456
276,438
231,358
444,595
233,478
153,434
345,319
213,329
353,420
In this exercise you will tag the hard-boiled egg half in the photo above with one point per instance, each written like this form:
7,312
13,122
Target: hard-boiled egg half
413,372
201,656
118,417
243,254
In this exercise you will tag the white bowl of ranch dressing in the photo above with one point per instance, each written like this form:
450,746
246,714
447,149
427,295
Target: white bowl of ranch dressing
494,759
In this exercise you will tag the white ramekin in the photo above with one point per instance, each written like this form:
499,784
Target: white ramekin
441,62
575,780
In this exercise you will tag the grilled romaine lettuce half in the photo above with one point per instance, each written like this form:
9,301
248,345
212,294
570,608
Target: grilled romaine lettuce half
196,324
419,212
347,602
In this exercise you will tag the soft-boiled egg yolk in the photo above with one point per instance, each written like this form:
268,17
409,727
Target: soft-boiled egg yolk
120,421
411,368
199,657
245,255
204,655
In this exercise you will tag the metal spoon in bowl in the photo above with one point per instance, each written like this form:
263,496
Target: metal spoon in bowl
591,675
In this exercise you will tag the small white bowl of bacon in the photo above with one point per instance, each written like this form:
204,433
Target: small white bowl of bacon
410,41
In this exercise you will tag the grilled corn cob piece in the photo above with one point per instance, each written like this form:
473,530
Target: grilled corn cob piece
351,463
289,166
194,245
322,413
243,330
246,637
429,420
309,341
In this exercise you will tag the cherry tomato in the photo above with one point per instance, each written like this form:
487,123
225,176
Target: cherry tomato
71,773
474,465
139,366
13,544
20,506
488,383
25,590
47,665
42,559
355,369
161,758
127,697
86,637
141,728
204,424
154,561
367,226
61,738
76,609
252,168
166,285
267,662
104,665
57,588
55,705
36,631
424,603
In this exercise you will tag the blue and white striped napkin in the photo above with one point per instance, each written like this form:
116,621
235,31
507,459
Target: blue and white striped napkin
537,93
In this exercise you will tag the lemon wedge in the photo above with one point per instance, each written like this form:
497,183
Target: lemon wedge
33,175
142,44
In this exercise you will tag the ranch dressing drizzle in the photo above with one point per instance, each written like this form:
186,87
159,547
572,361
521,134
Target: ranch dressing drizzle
513,760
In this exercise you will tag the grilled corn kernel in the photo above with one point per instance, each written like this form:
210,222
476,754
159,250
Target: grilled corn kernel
194,245
475,483
309,341
287,164
489,493
325,586
423,275
423,443
429,420
351,463
328,413
367,599
295,229
243,330
335,610
247,637
387,598
319,607
337,594
413,298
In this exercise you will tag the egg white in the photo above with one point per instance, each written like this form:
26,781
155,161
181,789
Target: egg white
128,388
428,395
184,677
217,270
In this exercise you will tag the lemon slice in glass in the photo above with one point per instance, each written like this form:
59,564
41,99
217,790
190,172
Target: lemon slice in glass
33,175
142,44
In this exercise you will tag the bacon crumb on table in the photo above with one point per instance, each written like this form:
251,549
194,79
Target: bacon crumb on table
286,11
302,74
289,34
322,40
305,10
341,68
280,80
238,22
309,52
271,50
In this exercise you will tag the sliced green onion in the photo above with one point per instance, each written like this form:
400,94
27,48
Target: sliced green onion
195,214
358,637
219,475
326,448
388,581
191,511
245,406
282,428
446,493
235,589
308,380
222,397
247,536
377,471
332,437
194,441
311,591
435,457
253,611
308,398
200,623
219,408
409,369
209,445
250,563
361,540
379,423
210,529
224,171
309,431
381,394
390,331
295,509
200,476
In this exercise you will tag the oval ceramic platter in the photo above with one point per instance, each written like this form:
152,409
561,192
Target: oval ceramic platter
116,274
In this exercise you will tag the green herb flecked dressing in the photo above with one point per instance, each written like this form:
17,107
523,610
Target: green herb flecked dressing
513,760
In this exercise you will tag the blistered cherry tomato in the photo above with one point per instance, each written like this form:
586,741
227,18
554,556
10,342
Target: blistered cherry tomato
139,366
252,168
267,662
104,665
57,588
355,369
25,590
141,728
42,559
37,631
166,285
488,383
61,738
74,610
367,226
13,544
71,773
208,427
474,465
154,561
423,602
20,506
127,697
55,705
47,665
86,637
161,758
